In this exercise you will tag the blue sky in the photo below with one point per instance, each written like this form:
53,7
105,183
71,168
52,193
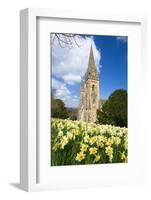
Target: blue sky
70,65
113,74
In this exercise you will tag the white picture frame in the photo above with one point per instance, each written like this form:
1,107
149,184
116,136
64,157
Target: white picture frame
29,96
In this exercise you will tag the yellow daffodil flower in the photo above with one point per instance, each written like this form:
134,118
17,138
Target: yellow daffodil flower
80,156
84,147
93,150
97,158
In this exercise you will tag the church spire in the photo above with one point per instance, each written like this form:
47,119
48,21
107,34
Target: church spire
91,58
92,70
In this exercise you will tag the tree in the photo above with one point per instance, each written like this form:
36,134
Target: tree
58,109
73,112
114,110
68,40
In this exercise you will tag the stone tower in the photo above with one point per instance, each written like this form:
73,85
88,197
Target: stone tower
89,92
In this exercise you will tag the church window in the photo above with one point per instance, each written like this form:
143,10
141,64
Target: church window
93,94
93,87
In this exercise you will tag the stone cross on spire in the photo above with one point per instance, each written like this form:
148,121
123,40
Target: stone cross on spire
92,72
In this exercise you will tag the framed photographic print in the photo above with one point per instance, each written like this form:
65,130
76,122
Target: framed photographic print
82,83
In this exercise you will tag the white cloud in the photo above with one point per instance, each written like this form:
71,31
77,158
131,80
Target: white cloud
62,92
60,89
71,64
122,38
71,79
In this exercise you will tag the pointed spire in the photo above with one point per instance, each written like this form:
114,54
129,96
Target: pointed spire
92,70
91,58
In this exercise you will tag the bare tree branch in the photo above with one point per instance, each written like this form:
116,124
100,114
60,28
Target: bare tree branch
68,40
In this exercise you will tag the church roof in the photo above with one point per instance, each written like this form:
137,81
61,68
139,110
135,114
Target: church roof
92,72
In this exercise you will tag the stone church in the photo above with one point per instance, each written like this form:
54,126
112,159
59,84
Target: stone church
89,92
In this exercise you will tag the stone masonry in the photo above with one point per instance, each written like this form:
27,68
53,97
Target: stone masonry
89,92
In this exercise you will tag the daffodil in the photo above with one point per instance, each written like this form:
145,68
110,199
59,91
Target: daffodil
84,147
76,132
93,150
109,151
109,142
86,138
60,133
69,135
92,140
97,158
126,143
63,142
117,140
100,144
80,156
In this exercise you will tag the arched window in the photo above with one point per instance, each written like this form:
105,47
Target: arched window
93,87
